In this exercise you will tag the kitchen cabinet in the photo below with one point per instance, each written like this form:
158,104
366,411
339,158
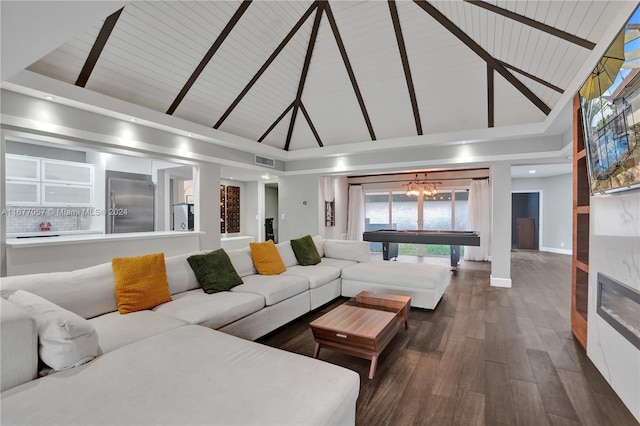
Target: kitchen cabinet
33,181
22,193
66,195
22,167
67,172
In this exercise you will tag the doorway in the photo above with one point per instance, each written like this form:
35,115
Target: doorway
525,220
271,211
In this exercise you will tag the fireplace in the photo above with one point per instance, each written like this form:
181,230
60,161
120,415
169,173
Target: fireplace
619,305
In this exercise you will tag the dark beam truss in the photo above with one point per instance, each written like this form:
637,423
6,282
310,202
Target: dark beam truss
490,97
532,77
405,64
275,123
534,24
305,70
310,123
98,46
207,57
490,60
268,62
347,64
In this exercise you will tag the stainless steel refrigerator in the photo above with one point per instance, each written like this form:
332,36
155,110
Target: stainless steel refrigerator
130,205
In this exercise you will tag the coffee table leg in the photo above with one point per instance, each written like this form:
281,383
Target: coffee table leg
406,324
374,364
316,350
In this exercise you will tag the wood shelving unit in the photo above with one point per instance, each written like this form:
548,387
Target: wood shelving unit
223,209
580,257
233,209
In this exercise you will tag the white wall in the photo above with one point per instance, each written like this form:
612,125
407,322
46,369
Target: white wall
556,195
206,180
298,200
271,206
501,225
614,249
250,212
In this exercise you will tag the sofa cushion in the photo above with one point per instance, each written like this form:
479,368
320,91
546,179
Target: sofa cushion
141,282
19,358
266,258
357,251
211,310
287,254
274,288
242,261
66,339
162,380
115,330
414,275
88,292
336,263
317,275
214,271
179,273
319,242
305,251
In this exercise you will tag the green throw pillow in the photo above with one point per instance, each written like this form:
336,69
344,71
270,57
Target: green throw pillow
214,271
306,251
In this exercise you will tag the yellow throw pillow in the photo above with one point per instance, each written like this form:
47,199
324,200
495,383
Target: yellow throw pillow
141,282
266,258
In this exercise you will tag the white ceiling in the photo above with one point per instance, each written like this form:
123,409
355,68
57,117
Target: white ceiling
155,46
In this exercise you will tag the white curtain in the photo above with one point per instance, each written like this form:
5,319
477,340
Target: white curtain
355,215
479,220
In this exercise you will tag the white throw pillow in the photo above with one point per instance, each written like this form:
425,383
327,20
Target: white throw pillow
357,251
66,339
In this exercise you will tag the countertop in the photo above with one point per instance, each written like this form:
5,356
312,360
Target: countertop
49,234
63,239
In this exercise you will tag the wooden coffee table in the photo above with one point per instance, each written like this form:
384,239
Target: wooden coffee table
362,327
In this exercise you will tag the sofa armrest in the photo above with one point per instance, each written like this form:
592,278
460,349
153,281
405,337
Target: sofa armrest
19,349
357,251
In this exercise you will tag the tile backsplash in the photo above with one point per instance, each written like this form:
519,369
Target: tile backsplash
28,218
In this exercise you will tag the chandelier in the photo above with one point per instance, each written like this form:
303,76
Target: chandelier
424,188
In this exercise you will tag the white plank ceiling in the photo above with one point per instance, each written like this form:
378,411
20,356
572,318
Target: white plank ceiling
155,47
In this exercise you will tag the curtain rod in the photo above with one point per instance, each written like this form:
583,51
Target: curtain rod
425,180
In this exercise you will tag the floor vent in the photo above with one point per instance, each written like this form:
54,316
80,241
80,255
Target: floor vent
264,161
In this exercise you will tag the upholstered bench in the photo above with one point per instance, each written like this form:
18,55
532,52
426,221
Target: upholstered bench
425,283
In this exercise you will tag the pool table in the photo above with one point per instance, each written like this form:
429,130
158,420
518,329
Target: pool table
391,237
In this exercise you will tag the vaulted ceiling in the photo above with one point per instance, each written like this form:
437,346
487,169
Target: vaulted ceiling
307,74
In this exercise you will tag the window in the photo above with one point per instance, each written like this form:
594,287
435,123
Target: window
392,209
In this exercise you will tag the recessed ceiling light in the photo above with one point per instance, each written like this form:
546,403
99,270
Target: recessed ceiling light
532,171
231,177
266,176
189,134
132,120
49,97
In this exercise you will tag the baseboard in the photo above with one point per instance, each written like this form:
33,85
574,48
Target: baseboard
557,250
500,282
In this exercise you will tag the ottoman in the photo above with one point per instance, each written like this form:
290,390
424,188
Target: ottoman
423,282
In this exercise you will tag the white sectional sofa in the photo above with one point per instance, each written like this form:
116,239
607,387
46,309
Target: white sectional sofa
190,360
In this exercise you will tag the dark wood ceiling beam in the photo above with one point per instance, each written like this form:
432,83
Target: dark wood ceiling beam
310,123
490,60
347,64
305,71
532,77
98,46
534,24
405,63
275,123
490,97
267,63
207,57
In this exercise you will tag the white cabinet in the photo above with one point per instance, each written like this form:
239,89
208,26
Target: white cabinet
22,167
66,195
67,172
42,181
22,193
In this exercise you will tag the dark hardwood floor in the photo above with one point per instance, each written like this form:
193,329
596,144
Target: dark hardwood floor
484,356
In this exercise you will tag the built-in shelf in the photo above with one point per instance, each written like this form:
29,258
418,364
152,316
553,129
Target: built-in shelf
581,210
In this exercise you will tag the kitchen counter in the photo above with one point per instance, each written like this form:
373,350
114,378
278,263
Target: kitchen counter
61,238
50,234
76,251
